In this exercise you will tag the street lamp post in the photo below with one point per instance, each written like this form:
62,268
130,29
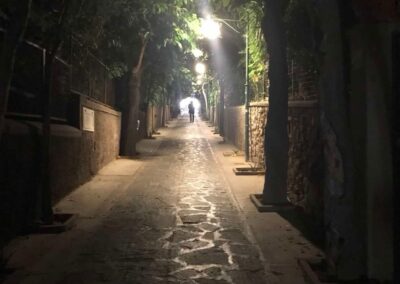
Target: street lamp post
211,29
246,99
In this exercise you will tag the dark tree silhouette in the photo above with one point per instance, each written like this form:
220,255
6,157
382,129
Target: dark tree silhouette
276,136
17,20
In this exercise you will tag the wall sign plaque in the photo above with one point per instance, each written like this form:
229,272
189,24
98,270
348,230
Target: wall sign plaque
87,119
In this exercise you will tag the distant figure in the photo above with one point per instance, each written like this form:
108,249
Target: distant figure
191,112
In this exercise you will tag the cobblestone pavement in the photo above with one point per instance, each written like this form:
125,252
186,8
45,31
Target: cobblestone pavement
175,223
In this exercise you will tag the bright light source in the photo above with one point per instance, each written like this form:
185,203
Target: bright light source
185,103
197,52
200,68
210,28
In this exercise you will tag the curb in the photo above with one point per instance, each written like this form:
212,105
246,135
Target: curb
256,200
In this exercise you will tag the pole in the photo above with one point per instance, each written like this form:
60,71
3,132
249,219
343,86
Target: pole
246,97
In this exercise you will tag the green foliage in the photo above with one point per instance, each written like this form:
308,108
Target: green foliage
171,29
169,58
166,24
247,16
118,70
53,22
303,34
114,31
213,89
251,14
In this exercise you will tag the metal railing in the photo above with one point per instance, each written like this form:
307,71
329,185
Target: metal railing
81,72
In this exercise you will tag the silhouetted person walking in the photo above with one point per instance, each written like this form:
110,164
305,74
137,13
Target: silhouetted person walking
191,112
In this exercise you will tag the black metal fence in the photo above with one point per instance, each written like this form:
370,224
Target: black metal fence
89,75
80,73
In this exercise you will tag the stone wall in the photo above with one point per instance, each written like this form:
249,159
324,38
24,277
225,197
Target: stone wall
106,134
302,83
305,157
257,120
304,151
234,126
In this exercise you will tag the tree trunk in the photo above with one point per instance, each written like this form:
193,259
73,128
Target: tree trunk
128,145
162,113
276,136
203,91
12,38
344,134
129,148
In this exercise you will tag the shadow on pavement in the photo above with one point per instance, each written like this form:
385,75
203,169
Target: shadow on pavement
308,226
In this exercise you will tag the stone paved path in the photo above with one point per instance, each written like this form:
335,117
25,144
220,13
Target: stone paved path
175,223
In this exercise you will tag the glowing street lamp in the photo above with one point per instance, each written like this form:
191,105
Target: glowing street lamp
200,68
211,29
197,52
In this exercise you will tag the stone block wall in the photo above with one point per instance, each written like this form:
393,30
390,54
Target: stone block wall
305,157
305,152
302,83
234,126
106,135
257,120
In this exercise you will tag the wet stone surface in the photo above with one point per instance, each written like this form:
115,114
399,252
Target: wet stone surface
175,224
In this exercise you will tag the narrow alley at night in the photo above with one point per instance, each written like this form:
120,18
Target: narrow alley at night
176,214
200,141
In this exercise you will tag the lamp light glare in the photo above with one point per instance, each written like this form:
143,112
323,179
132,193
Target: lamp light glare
210,28
197,53
200,68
